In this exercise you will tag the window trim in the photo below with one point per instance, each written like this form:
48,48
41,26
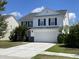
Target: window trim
55,21
42,22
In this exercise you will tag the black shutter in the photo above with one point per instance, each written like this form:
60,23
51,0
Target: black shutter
38,22
55,21
44,22
26,23
49,21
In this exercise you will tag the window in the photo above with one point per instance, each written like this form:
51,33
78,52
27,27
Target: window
41,22
30,23
52,21
22,23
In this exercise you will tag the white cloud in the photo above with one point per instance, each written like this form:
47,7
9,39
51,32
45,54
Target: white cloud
16,14
72,16
4,14
39,9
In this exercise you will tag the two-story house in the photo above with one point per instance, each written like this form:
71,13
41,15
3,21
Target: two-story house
44,26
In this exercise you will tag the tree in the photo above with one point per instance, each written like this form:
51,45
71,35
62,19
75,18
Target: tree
72,39
2,5
3,24
19,34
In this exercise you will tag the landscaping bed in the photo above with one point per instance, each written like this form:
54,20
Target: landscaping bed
50,57
8,44
60,48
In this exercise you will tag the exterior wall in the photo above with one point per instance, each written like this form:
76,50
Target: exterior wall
45,35
11,24
60,19
66,23
66,20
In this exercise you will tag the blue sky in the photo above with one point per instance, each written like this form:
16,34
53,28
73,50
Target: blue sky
23,7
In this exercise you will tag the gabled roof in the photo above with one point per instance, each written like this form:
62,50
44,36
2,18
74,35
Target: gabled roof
31,15
62,11
58,11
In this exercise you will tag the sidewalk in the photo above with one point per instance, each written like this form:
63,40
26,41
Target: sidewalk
60,54
11,57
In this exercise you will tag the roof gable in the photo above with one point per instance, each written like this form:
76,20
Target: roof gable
47,12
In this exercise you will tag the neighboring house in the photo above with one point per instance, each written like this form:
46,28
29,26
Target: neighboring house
44,26
11,24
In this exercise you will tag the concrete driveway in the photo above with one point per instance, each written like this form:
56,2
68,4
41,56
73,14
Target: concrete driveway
26,51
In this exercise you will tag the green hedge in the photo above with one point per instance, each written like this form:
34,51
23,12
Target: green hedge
71,39
61,38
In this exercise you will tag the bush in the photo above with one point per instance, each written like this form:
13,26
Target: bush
72,39
61,38
19,34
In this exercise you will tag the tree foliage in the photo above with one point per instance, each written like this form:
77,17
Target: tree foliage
72,38
3,24
2,5
18,34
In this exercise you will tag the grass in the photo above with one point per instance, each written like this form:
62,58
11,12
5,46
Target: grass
8,44
50,57
61,49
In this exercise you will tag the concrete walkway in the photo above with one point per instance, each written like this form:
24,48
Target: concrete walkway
1,49
26,51
60,54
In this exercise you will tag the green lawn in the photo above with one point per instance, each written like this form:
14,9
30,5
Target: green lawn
61,49
7,43
50,57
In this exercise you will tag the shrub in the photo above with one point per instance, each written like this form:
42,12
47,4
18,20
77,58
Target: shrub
61,38
19,34
72,39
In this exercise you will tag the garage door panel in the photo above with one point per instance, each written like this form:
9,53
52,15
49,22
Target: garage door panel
45,35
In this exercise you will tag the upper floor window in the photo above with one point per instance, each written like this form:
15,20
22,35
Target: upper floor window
41,22
30,23
27,23
52,21
22,23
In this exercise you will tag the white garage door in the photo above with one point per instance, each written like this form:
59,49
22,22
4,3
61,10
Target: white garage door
45,35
